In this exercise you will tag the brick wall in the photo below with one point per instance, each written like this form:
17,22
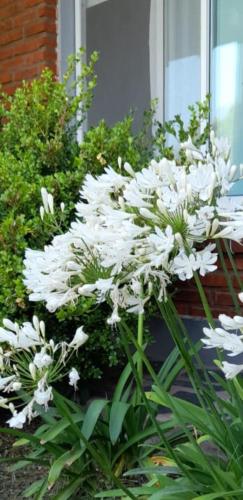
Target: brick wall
28,40
215,286
28,43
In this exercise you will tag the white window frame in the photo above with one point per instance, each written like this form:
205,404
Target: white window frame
156,45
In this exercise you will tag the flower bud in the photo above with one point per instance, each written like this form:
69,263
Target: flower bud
129,169
119,162
42,328
44,196
179,240
232,172
50,203
214,227
32,370
36,323
161,206
42,212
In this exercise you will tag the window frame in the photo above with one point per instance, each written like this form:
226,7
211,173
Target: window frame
156,47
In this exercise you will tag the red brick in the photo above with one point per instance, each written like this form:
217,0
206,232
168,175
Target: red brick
48,11
6,76
223,298
216,311
26,46
6,52
11,36
24,17
31,3
43,54
239,262
182,309
40,27
26,73
187,296
236,247
216,279
11,87
10,9
50,65
196,311
6,2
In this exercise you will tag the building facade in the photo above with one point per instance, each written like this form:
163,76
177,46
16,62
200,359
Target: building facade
173,50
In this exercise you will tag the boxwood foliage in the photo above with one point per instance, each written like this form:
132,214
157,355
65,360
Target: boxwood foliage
38,147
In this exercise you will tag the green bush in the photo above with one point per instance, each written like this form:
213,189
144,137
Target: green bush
39,148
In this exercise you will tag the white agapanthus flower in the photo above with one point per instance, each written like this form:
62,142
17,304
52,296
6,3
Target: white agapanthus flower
224,339
141,227
32,363
73,377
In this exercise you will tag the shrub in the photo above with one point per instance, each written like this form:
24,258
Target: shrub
39,148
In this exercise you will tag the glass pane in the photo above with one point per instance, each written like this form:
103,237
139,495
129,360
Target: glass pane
182,56
227,76
119,30
67,32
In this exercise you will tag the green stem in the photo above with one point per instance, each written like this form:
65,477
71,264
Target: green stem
164,440
228,278
140,361
233,265
171,405
204,300
100,460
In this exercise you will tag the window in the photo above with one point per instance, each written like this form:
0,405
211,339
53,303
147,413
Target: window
227,76
173,50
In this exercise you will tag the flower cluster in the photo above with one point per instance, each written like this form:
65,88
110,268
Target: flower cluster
136,232
232,343
29,364
48,203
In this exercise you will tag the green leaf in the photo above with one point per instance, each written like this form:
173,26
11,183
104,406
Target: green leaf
33,488
64,460
142,436
143,490
69,490
21,442
153,470
59,427
42,490
117,415
15,432
92,415
220,495
124,377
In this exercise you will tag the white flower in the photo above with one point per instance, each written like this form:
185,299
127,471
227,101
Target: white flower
230,370
222,339
25,337
79,338
184,265
42,212
73,377
5,381
206,260
4,403
202,180
17,420
43,395
42,360
44,195
138,227
227,322
51,203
